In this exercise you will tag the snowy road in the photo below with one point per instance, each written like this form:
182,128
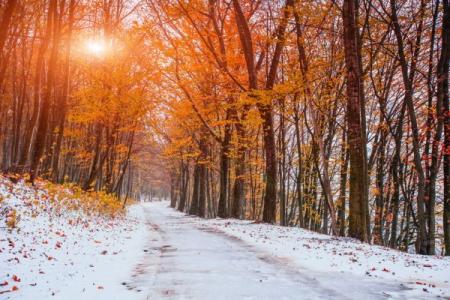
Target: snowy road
186,261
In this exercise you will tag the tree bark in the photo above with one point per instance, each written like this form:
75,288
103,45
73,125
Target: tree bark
224,171
42,122
357,200
193,209
341,207
239,181
443,95
64,97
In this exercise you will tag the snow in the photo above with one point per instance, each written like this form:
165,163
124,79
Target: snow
65,254
155,252
321,252
342,265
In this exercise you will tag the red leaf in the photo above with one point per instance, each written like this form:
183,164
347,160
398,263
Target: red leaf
4,283
15,278
14,288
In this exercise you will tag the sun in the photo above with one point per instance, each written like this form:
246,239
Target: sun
96,47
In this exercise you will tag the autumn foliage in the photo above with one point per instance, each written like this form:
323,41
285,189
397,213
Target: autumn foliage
328,115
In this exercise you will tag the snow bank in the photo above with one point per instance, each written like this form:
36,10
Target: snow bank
64,253
430,274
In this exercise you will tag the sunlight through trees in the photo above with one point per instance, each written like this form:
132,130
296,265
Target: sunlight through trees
328,115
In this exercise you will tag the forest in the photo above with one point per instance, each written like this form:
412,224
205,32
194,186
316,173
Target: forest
329,115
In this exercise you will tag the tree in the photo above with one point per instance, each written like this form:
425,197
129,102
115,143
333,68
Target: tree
357,198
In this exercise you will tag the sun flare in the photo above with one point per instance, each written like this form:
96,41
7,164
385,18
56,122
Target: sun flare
96,47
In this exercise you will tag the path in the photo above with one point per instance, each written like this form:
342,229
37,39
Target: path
187,262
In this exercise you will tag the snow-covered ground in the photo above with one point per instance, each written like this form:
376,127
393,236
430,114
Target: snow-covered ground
307,265
323,253
55,253
155,252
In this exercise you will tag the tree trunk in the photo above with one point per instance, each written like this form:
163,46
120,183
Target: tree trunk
342,187
300,177
443,94
265,110
42,123
270,193
379,197
184,182
357,200
422,239
224,171
202,179
37,84
193,209
64,97
282,167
